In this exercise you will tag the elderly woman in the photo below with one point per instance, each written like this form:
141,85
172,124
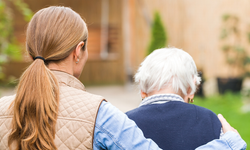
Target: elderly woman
168,80
51,108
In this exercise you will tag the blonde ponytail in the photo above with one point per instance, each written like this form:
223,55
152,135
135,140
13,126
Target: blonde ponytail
35,108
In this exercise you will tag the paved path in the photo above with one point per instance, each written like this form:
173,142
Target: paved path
123,97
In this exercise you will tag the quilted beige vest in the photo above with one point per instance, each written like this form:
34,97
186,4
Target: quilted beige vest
76,119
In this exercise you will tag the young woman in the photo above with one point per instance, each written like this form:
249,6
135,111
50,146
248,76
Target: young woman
51,109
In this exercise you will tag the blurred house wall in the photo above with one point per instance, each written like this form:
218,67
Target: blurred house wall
192,25
98,70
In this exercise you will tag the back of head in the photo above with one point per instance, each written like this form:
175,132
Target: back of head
168,68
52,33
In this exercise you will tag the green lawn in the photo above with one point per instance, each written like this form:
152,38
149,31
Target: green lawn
229,105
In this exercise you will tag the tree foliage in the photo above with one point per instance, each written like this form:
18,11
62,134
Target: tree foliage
158,34
9,47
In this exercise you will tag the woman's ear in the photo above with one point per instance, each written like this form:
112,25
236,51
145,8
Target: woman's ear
143,95
189,96
77,51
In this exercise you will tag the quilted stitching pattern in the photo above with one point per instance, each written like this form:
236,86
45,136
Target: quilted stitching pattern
5,121
76,117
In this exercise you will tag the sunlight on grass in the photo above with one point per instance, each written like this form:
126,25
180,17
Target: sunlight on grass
229,105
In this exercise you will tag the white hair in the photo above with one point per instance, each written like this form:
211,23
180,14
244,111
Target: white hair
168,67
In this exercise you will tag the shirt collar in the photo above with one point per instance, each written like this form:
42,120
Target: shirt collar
161,98
69,80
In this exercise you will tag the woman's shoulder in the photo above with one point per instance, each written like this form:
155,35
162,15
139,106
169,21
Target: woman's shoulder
202,109
198,111
202,112
7,98
192,107
76,103
5,102
74,93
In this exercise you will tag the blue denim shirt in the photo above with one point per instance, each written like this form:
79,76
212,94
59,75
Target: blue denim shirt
115,131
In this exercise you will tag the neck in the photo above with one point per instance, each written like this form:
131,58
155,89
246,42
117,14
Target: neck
166,91
64,65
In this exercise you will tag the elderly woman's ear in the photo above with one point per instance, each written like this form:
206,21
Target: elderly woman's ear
189,97
143,95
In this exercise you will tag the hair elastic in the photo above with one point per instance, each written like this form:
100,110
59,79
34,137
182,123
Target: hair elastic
39,57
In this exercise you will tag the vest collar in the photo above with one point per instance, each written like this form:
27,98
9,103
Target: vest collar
161,98
69,80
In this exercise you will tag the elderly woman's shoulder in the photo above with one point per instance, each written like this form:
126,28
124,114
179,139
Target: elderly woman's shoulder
201,111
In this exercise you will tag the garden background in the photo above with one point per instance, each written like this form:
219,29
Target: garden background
215,33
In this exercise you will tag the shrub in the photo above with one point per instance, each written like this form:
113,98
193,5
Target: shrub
158,34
